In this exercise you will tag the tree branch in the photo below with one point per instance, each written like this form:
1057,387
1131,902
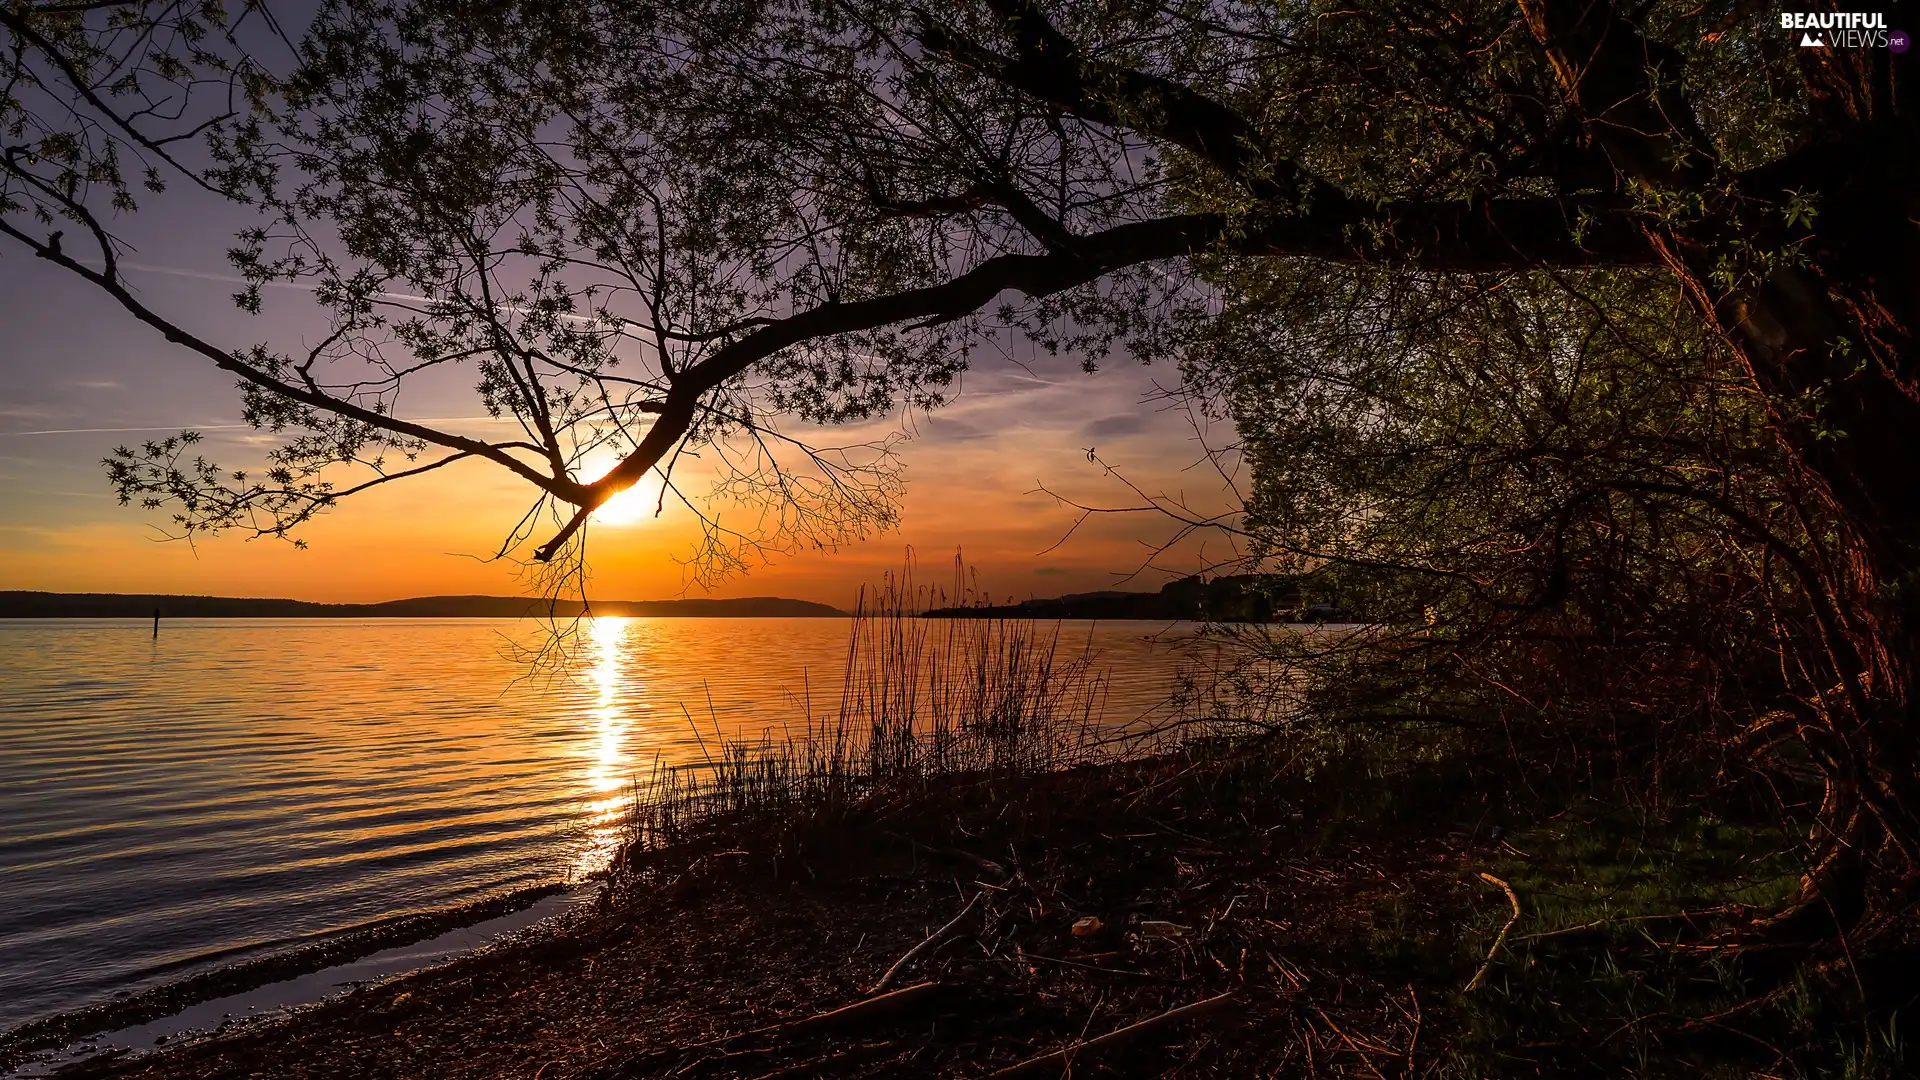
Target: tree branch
109,282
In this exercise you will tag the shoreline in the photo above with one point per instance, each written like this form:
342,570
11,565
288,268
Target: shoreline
1228,909
961,907
23,1043
700,951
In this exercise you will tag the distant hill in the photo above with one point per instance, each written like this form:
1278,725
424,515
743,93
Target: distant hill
46,605
1239,598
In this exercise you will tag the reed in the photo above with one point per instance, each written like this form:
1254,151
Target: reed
926,706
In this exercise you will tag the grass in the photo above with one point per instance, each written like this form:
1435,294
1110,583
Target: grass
927,707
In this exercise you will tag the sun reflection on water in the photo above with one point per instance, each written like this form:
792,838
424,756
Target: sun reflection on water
609,775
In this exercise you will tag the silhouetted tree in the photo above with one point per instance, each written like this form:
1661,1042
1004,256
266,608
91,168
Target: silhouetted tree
665,226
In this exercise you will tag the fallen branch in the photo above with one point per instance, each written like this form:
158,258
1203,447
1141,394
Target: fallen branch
1115,1038
864,1009
1597,923
1512,898
1026,956
932,938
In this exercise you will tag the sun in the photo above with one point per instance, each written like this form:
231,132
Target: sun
632,506
635,505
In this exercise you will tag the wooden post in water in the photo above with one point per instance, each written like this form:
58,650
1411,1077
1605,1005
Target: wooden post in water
156,624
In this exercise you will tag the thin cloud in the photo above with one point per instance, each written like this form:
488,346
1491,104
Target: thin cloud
232,427
299,286
123,430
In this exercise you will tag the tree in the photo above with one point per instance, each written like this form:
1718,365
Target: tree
667,225
1558,502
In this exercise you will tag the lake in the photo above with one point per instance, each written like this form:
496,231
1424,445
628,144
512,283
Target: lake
240,786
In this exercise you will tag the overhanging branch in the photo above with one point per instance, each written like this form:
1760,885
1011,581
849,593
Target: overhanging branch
108,281
1464,237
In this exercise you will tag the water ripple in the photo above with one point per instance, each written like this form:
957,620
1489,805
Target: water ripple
238,786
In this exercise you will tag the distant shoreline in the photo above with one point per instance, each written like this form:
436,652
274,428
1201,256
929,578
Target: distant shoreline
1238,598
51,605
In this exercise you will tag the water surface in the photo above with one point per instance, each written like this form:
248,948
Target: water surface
236,786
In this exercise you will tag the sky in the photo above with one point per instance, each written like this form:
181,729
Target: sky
79,376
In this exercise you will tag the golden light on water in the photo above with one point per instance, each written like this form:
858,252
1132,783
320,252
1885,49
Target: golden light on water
609,772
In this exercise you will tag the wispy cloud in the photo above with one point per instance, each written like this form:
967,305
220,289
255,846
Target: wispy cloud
232,427
123,430
297,286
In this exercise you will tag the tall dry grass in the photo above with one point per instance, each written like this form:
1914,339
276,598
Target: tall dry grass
924,703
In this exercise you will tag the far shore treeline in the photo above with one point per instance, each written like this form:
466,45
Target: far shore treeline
1233,598
1229,598
49,605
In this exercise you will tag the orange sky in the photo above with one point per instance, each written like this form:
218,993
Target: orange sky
81,378
423,538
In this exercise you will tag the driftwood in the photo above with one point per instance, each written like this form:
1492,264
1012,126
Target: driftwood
932,938
864,1009
1512,898
1061,1058
690,1056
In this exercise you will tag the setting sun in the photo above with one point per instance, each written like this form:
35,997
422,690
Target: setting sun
637,504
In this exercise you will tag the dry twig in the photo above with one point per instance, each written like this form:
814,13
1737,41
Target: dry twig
1114,1038
1512,898
864,1009
932,938
1026,956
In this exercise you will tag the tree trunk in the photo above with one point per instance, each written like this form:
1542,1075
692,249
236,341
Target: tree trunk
1831,344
